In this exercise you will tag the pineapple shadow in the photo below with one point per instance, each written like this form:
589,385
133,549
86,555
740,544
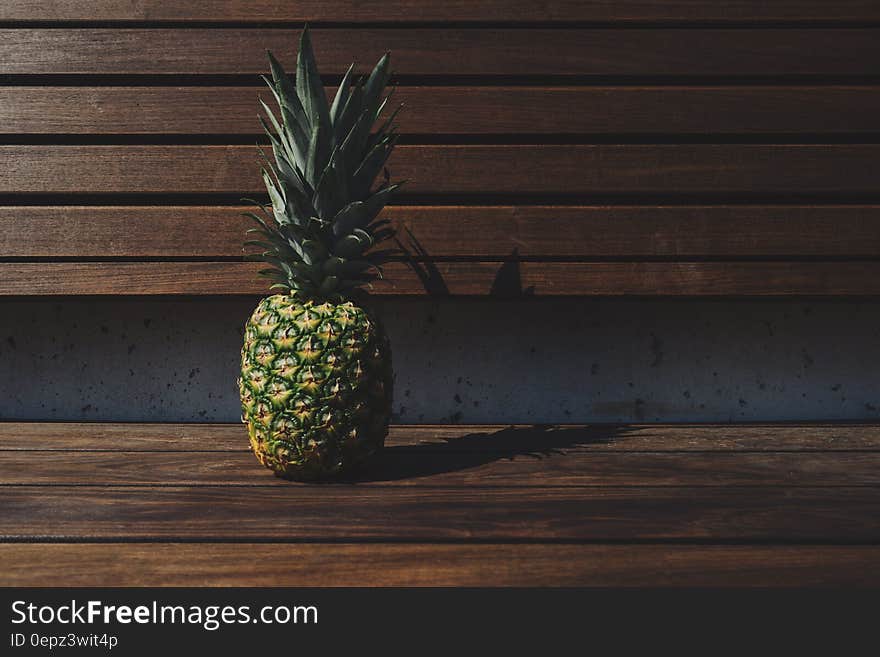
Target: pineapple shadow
473,450
418,259
507,281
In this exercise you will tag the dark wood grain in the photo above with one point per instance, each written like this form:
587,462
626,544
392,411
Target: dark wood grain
465,231
432,51
123,231
356,513
462,278
556,464
419,564
208,438
452,10
458,110
114,278
655,169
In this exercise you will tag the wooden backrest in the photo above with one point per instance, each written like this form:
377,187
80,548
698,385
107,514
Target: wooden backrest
567,147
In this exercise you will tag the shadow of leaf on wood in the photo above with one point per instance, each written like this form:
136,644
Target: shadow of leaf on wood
418,259
481,448
507,281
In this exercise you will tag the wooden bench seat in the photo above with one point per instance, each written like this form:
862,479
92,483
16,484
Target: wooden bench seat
489,505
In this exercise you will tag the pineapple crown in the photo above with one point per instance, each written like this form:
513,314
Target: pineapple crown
317,235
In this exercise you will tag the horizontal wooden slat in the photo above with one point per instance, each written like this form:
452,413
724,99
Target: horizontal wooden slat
462,278
391,513
429,10
419,564
414,467
458,110
464,231
524,439
465,169
430,51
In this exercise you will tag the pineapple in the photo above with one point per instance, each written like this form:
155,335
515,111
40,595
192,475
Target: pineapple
316,377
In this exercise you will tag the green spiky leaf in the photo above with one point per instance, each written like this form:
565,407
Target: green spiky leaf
309,88
318,232
342,94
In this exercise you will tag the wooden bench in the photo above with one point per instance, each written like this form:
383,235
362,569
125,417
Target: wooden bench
696,149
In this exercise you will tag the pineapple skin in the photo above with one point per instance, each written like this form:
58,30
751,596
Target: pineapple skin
316,386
